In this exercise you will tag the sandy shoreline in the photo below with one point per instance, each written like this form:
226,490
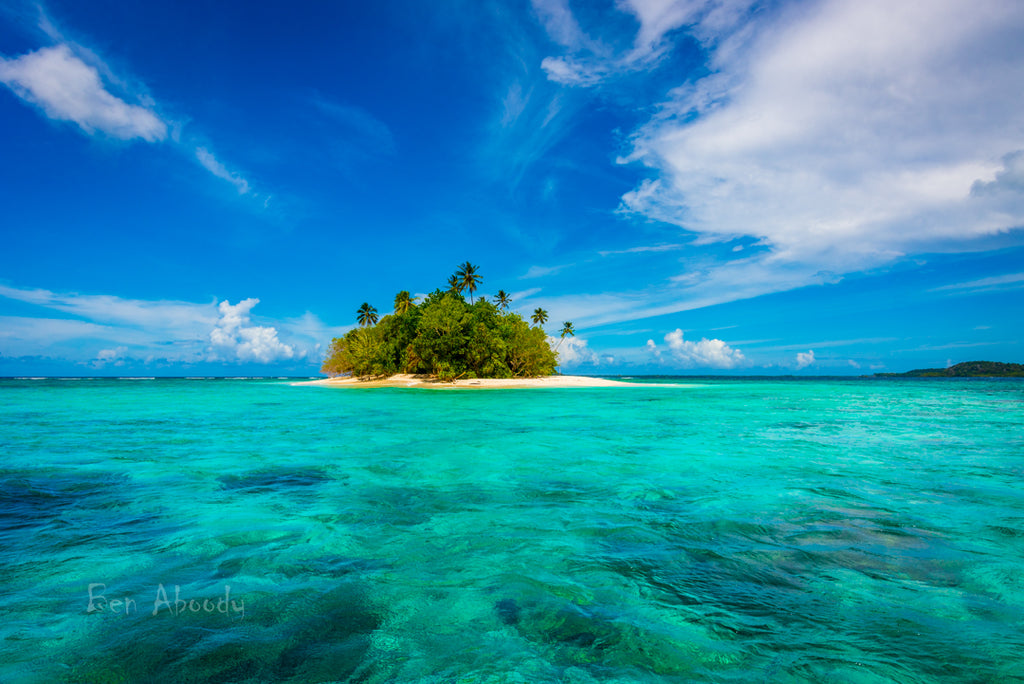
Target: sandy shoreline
402,380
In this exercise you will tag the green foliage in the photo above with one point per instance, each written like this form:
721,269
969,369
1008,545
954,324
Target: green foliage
968,369
403,302
443,336
468,278
367,315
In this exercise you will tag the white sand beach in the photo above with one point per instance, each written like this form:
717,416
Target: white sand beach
407,380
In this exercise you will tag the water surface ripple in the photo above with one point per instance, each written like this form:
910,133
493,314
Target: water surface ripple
726,531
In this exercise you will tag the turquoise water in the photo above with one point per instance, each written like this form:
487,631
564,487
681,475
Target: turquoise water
728,531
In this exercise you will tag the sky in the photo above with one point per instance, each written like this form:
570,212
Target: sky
819,187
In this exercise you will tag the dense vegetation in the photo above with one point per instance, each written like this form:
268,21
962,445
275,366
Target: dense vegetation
968,369
446,336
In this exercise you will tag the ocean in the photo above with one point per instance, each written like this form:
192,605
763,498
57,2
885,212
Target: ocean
697,529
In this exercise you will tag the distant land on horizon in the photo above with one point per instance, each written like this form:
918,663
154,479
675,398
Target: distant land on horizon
968,369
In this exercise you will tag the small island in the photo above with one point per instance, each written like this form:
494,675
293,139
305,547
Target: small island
445,339
968,369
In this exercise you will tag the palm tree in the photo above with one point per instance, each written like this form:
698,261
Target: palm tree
540,316
567,329
469,277
503,299
367,315
454,284
403,302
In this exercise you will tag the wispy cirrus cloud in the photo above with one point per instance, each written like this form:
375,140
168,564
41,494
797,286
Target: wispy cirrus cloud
211,164
590,61
541,271
643,248
68,81
66,88
1010,281
358,124
173,331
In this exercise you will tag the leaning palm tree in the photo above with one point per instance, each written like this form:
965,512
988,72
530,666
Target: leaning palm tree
540,316
503,299
567,329
403,302
367,315
454,284
469,277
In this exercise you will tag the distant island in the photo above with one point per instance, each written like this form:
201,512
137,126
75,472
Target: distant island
968,369
446,337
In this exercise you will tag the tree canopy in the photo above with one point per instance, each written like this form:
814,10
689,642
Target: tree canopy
444,335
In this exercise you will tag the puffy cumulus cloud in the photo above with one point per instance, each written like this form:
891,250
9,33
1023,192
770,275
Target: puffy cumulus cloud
846,134
68,89
704,354
234,336
804,359
573,351
116,357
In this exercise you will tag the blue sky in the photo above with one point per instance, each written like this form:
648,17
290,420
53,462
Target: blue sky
815,187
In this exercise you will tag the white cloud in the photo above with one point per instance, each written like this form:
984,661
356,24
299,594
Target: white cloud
233,336
1002,282
568,71
25,335
590,61
163,317
846,134
1009,179
359,125
178,332
539,271
211,164
573,351
658,17
706,353
559,22
69,82
68,89
804,359
116,357
643,248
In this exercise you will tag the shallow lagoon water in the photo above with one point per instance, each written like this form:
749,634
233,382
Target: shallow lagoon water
725,531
